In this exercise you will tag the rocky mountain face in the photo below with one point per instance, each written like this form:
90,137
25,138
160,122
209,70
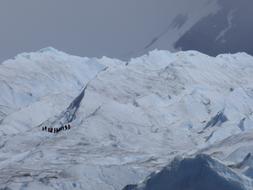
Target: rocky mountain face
227,30
216,27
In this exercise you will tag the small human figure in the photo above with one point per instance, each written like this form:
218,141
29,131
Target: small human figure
69,126
43,128
66,127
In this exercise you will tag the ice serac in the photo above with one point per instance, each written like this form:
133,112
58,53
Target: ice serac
201,172
127,119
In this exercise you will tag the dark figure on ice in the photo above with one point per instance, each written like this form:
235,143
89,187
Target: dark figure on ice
56,130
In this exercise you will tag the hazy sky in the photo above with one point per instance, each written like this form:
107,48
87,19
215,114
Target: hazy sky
83,27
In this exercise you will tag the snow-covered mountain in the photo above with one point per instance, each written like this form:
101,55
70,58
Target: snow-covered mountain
214,27
181,17
128,119
227,30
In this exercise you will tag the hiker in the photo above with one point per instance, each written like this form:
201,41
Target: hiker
66,127
69,126
43,129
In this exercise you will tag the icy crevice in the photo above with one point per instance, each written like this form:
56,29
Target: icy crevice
217,120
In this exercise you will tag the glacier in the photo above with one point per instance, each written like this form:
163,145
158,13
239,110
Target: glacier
128,119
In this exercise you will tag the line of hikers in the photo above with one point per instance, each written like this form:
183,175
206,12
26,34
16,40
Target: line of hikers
56,130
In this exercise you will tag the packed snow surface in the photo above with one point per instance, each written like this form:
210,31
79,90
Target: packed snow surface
127,119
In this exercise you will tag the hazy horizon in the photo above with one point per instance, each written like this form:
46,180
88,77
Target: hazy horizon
84,27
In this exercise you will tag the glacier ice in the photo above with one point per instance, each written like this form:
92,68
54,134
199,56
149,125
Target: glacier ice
201,172
128,119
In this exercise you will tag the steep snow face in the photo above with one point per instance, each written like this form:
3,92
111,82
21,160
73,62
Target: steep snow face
128,118
197,173
35,86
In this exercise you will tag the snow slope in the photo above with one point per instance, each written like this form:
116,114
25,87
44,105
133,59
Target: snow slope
36,86
128,118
